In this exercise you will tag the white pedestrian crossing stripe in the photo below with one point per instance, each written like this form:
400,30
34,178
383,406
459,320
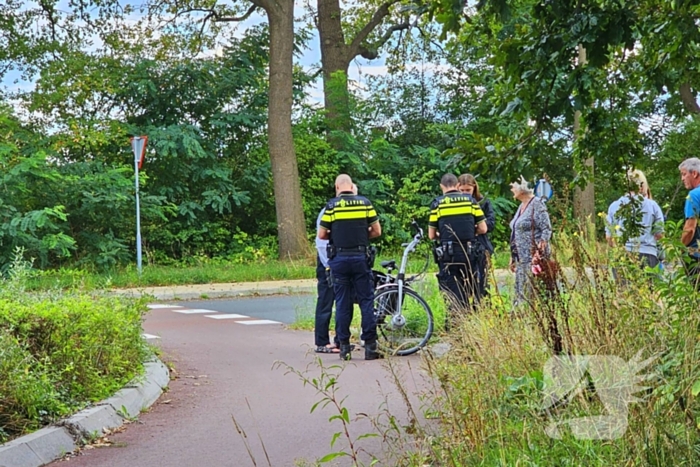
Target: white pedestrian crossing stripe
149,336
227,316
194,311
237,318
259,321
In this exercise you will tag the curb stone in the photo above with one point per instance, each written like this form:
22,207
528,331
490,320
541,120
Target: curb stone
223,290
51,443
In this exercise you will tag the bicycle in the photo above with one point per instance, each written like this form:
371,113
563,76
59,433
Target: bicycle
404,318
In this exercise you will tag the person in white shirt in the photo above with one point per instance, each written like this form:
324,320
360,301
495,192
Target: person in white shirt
647,215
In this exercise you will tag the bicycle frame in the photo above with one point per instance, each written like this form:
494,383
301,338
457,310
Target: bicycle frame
398,319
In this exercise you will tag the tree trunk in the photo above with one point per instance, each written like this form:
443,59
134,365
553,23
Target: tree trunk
689,100
584,200
335,62
285,172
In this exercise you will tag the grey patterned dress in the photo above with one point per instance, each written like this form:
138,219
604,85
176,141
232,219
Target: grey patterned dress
528,228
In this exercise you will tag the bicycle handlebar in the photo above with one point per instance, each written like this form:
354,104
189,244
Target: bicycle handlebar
409,247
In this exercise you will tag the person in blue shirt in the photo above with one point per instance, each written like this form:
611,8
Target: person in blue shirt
325,295
690,175
648,215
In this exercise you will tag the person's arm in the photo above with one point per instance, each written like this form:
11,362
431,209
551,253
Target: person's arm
542,224
609,223
375,230
480,226
433,233
689,230
657,227
490,215
324,223
691,211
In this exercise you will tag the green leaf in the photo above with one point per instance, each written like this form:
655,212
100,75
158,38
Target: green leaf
335,438
696,388
331,456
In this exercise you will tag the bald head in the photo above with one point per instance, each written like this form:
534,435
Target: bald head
343,182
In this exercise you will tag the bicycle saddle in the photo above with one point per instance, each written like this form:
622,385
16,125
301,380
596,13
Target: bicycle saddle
390,264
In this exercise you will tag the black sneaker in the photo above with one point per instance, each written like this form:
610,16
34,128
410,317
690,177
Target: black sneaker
346,351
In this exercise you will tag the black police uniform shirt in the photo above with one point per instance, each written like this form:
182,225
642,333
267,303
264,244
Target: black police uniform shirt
455,216
348,217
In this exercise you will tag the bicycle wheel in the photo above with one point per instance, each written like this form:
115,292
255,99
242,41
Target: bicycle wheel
406,333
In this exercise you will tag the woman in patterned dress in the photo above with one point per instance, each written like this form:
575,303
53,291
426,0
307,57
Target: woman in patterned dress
531,231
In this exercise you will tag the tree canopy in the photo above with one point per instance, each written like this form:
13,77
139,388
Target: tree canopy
492,89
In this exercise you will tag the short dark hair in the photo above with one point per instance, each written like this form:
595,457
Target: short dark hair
448,180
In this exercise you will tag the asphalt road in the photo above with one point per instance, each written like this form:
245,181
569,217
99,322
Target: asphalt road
282,308
225,369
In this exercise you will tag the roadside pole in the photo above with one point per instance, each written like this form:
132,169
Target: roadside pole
138,145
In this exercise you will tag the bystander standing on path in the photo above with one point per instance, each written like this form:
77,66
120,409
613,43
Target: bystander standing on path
631,207
690,175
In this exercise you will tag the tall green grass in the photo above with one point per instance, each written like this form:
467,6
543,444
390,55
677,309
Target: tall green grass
485,404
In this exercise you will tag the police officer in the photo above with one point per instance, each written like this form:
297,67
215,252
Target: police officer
325,294
349,221
455,220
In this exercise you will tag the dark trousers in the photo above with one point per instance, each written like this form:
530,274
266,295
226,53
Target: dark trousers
353,277
482,276
460,284
648,260
324,306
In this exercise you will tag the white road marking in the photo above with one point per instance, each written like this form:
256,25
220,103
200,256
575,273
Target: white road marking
187,311
158,306
227,316
149,336
259,321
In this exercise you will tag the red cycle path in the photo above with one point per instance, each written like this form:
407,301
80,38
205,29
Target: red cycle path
221,367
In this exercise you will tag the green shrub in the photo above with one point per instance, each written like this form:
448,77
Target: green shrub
27,395
90,343
61,351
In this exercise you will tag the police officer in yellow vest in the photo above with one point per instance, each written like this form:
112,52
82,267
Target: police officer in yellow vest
349,222
455,220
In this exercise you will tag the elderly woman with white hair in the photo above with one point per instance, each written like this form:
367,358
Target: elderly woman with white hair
531,231
643,214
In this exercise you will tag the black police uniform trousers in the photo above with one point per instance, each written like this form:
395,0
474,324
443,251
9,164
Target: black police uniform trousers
458,280
324,306
352,278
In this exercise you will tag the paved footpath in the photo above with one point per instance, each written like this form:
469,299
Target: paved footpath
224,369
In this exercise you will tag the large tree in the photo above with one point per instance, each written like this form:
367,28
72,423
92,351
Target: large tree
280,15
344,36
